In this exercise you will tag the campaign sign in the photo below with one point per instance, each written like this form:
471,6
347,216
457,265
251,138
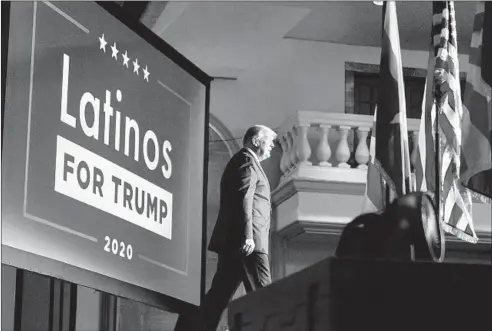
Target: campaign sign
103,149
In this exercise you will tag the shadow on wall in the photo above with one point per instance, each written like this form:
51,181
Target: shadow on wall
271,166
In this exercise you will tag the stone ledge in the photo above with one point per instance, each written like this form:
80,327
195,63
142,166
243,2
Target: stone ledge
312,231
306,178
303,230
315,178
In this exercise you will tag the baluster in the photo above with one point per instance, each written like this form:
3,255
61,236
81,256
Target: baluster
343,151
283,165
303,149
288,162
293,152
415,141
362,151
323,151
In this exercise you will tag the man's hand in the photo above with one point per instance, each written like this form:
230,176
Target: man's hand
248,246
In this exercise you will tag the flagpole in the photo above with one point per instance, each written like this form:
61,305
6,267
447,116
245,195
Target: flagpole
438,77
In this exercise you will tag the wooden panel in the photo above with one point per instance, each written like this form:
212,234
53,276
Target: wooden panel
88,309
35,308
8,296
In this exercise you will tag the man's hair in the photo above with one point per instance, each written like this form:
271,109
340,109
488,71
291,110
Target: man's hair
258,131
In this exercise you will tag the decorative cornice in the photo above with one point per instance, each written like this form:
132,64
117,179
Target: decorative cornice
300,227
308,178
304,230
320,180
292,186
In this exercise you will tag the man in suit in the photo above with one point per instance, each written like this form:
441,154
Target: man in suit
240,237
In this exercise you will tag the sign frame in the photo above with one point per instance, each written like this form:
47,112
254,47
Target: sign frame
53,268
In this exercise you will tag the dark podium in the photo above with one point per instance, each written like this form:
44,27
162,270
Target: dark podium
354,294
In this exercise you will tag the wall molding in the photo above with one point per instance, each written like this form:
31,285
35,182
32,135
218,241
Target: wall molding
291,186
311,231
303,229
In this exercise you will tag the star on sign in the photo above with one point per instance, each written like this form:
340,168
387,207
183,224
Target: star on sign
146,74
115,51
135,66
125,59
103,43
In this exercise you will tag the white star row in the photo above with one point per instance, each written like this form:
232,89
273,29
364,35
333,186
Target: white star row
114,54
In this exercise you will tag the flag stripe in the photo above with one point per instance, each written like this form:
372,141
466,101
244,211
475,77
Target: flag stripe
476,170
478,21
475,58
487,45
443,97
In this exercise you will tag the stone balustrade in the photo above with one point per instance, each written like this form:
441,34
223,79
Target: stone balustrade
324,161
324,139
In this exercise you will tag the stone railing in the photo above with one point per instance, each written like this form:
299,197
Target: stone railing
324,139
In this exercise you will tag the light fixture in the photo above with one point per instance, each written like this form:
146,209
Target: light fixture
407,229
378,3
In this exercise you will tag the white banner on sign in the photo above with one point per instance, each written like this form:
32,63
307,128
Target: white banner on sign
91,179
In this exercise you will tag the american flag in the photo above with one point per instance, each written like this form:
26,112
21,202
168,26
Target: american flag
442,101
476,126
389,173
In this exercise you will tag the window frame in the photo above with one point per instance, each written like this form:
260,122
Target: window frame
351,68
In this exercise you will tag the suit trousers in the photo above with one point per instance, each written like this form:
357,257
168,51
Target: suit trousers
232,269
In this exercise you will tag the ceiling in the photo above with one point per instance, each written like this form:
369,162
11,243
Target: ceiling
225,38
359,23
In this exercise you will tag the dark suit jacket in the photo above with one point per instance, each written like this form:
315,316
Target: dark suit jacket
245,206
